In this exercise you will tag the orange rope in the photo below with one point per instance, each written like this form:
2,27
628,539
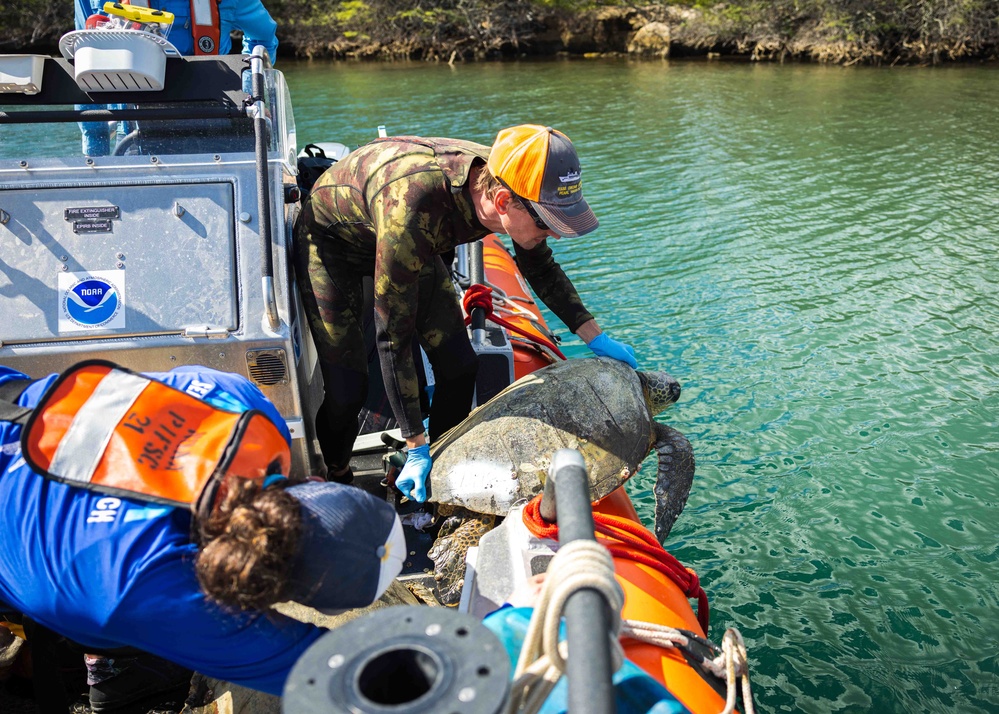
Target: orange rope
625,538
481,296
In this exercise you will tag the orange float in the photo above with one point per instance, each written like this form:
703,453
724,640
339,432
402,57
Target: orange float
651,596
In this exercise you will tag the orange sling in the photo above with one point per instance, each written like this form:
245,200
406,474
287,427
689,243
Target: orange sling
105,428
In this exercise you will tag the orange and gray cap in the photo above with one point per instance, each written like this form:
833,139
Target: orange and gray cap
540,165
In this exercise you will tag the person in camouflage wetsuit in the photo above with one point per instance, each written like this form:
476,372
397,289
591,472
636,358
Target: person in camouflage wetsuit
389,210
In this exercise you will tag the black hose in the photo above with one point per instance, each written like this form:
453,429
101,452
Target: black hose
589,667
477,276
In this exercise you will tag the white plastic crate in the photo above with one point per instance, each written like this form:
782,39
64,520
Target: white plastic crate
21,74
117,60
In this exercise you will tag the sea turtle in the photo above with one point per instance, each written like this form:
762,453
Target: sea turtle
499,456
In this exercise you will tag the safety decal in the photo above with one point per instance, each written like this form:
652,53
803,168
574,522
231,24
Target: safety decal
91,301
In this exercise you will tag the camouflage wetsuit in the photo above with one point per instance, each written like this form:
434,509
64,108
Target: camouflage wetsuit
389,210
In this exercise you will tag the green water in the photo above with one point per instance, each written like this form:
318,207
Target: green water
811,251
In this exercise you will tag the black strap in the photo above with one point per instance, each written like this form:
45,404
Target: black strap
10,392
313,151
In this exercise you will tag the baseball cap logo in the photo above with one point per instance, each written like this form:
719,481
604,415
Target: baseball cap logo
570,177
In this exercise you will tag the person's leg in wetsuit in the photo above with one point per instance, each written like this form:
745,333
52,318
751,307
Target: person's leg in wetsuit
333,300
444,338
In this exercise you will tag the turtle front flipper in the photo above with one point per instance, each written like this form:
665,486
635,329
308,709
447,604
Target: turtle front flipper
459,533
673,478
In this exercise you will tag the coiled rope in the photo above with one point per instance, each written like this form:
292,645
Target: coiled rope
577,565
537,672
480,296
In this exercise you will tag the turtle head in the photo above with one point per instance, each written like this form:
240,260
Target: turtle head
660,390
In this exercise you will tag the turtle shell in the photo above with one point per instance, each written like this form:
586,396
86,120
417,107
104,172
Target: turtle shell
499,456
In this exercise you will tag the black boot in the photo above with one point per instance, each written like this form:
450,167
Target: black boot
142,677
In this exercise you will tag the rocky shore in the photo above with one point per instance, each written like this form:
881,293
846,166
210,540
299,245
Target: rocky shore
660,31
878,32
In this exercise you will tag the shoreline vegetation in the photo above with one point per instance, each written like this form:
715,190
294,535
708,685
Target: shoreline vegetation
847,32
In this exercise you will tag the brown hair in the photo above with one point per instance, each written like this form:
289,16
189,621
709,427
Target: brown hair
248,547
486,183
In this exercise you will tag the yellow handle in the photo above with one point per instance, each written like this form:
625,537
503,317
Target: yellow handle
138,14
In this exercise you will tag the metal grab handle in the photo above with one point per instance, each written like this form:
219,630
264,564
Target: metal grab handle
589,667
261,142
477,276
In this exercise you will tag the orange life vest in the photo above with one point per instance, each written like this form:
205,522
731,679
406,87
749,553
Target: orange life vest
205,26
105,428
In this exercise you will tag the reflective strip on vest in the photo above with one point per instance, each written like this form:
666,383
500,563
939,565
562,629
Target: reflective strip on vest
103,428
94,424
205,26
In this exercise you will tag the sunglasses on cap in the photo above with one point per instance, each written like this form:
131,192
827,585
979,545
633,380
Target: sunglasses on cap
534,214
527,207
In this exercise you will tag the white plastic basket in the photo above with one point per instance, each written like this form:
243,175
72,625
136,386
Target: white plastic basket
21,74
117,60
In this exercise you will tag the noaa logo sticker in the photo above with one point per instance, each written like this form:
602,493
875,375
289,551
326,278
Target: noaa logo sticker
91,301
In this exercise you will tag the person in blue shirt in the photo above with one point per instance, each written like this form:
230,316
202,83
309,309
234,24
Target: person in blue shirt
250,16
109,572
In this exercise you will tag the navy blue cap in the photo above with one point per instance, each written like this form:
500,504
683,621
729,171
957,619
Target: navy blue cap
351,548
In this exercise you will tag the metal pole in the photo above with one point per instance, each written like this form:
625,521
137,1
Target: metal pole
477,274
548,508
587,614
261,135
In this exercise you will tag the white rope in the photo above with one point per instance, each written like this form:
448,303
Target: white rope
732,663
653,634
586,564
505,305
577,565
501,303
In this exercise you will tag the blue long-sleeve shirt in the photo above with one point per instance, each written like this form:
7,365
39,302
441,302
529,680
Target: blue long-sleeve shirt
111,572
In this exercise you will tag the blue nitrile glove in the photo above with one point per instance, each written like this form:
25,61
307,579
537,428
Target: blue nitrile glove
604,346
412,481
